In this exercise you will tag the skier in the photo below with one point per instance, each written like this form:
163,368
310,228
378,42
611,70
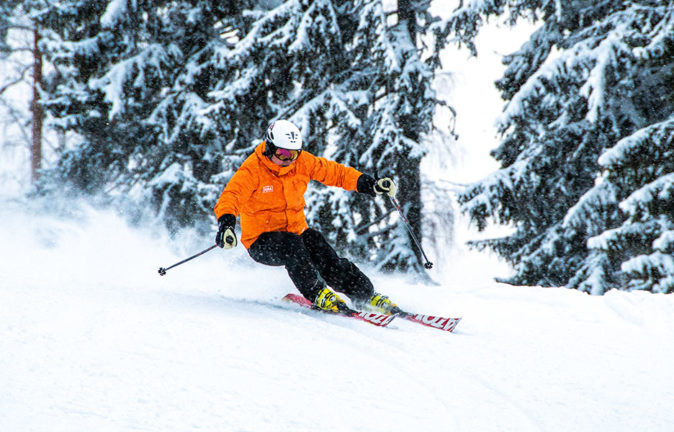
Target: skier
267,191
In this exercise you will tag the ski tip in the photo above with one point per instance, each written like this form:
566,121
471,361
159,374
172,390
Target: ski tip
441,323
298,299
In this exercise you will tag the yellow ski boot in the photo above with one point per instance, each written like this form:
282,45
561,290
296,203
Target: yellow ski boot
382,304
327,300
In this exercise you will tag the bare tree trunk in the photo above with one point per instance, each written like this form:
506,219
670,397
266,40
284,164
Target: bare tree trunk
36,108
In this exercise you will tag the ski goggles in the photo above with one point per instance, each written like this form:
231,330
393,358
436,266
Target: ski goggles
287,155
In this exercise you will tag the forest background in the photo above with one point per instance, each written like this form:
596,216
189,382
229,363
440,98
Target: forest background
150,106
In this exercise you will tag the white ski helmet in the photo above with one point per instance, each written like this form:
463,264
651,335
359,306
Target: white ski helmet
283,134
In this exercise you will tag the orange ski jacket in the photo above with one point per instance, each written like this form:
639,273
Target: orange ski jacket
269,197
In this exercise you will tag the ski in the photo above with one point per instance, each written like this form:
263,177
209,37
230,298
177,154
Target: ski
379,320
440,323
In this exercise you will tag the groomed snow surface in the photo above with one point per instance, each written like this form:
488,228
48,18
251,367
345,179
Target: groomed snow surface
92,339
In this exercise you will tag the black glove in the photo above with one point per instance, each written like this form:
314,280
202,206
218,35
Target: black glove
225,238
368,185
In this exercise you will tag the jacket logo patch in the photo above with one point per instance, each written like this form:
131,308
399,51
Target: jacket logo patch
267,189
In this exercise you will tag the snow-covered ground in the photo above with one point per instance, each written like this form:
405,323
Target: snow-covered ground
93,339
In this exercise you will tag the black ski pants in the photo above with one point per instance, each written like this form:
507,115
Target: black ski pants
311,262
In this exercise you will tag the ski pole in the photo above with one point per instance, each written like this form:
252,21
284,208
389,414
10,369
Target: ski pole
427,264
162,270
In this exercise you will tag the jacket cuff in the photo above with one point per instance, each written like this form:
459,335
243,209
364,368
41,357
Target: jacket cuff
366,185
228,220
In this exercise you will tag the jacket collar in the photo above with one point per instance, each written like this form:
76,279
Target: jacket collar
276,169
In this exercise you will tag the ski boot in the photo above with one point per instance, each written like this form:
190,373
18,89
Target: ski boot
327,300
382,304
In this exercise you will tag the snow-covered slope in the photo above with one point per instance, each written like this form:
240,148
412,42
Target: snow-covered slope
92,339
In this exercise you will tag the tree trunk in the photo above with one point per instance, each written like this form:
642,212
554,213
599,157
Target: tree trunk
406,14
36,108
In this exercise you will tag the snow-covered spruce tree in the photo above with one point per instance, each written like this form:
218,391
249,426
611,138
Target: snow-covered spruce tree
580,85
382,113
642,165
170,96
122,68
